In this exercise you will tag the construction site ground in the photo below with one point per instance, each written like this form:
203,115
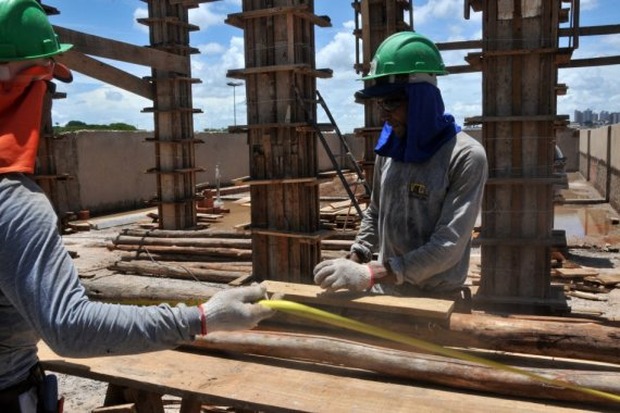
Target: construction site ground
592,248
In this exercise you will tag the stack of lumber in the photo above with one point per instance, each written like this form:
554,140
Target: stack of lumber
204,217
223,256
340,214
534,342
287,337
588,348
585,282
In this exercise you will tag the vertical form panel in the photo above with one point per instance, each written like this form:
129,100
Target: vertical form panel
283,166
173,115
380,19
45,166
46,174
519,76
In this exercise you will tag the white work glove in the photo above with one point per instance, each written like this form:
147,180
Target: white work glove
341,273
235,309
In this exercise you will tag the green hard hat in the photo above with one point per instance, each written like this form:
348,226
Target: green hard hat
405,53
26,33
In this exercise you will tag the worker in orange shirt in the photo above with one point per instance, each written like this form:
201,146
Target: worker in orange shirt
40,294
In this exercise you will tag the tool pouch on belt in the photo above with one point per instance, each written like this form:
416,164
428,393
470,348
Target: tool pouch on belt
48,395
47,392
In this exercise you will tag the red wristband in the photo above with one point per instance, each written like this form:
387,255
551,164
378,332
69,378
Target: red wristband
203,321
372,276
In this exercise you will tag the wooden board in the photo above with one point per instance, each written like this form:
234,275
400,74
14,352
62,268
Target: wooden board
274,385
313,294
576,272
607,279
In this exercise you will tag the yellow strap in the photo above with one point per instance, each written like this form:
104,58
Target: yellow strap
305,311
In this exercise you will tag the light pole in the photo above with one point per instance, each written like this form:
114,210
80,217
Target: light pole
234,86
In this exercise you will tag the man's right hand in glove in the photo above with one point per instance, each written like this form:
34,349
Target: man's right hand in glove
234,309
342,273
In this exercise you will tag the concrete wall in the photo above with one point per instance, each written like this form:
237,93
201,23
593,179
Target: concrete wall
108,167
599,160
614,170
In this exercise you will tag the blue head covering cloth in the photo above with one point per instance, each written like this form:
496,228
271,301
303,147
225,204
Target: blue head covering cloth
428,126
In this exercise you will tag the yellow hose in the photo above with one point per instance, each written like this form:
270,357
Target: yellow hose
305,311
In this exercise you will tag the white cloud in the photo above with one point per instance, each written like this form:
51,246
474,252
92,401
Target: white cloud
339,53
593,88
211,48
140,13
206,16
437,9
213,96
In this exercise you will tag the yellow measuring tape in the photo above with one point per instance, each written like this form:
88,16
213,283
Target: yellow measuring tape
305,311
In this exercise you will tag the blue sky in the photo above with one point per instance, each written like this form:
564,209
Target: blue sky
221,47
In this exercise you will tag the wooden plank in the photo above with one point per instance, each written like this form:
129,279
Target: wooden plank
121,408
299,68
409,306
575,272
251,383
106,73
607,279
126,52
238,19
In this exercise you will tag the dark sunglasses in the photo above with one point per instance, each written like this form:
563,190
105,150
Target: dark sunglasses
391,104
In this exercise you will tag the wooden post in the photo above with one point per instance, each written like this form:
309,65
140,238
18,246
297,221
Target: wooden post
380,19
46,174
519,63
173,112
280,65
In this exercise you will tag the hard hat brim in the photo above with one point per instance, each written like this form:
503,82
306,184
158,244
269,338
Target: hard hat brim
379,91
62,48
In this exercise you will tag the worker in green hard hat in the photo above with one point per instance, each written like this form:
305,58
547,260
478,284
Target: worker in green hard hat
415,235
40,293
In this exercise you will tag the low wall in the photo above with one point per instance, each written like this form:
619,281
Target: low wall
108,168
599,161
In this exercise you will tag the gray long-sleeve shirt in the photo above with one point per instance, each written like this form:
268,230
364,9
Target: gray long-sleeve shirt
421,216
41,296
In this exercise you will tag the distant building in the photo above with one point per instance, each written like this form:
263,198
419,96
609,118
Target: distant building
590,118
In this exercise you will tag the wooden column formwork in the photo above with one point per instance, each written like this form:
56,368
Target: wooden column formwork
379,19
519,63
174,141
45,169
280,66
46,174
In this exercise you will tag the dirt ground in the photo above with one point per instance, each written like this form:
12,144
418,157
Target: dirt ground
595,247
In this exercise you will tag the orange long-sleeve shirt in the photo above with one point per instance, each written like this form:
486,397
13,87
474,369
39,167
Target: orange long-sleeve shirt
21,109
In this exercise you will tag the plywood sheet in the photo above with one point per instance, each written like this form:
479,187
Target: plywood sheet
273,385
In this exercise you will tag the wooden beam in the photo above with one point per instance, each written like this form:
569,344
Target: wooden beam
591,30
593,61
237,19
460,45
407,306
125,52
106,73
